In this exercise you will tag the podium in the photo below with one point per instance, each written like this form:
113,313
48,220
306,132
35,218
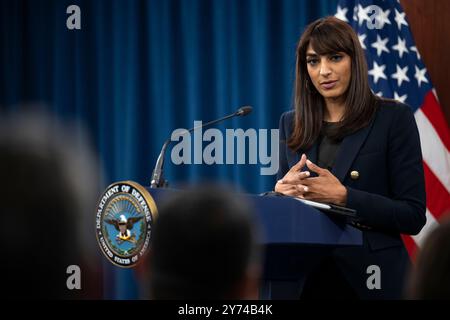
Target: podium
295,238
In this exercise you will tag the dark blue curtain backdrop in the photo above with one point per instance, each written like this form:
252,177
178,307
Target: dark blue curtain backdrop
139,69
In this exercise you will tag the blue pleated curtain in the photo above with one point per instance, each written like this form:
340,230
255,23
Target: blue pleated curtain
139,69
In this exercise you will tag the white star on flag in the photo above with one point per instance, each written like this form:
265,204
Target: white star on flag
402,98
400,47
414,49
362,14
377,72
382,18
341,14
400,19
380,45
380,93
400,75
361,38
420,75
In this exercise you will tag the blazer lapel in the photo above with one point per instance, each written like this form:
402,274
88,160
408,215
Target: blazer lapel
311,153
348,151
346,155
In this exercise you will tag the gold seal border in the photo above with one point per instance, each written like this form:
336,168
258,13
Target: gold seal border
148,199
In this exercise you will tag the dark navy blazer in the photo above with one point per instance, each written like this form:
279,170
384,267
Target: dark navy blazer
389,194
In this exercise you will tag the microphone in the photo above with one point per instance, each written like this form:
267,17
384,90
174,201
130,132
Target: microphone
157,176
243,111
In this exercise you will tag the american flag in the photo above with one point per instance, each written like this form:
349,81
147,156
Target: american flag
397,71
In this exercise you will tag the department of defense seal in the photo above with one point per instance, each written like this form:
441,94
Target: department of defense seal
124,220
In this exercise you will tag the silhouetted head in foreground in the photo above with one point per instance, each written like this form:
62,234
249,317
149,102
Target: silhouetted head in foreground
430,277
49,185
205,246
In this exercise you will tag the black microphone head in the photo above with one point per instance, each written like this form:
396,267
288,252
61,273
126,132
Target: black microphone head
243,111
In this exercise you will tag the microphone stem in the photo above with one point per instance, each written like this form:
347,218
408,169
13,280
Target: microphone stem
157,176
212,122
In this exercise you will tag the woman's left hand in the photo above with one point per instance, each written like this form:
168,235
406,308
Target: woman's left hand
324,188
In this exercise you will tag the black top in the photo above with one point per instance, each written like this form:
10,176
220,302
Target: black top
327,148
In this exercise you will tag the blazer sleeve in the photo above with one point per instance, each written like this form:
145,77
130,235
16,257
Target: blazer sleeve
283,166
404,210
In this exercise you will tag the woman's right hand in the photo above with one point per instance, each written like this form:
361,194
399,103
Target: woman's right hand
291,183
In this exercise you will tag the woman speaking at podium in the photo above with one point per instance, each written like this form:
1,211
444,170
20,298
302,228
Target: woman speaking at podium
343,145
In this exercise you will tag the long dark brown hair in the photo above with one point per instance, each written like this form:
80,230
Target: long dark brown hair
327,36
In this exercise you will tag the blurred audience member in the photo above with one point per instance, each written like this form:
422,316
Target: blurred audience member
49,187
430,277
205,246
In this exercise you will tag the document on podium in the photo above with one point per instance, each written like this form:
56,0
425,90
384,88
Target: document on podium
325,207
329,207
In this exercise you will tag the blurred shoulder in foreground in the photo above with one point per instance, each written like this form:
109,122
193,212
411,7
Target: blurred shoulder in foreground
430,276
49,187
